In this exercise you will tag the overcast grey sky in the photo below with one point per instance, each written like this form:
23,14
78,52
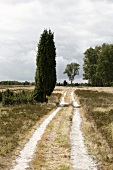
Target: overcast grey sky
77,25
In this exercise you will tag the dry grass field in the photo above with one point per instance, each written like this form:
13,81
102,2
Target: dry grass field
17,123
16,87
99,89
97,126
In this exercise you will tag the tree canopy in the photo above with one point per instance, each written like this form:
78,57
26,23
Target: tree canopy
45,77
71,71
98,65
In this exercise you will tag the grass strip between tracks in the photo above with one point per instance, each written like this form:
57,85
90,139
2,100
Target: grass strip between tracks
53,150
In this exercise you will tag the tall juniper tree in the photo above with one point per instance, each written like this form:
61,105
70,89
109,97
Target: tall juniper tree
45,77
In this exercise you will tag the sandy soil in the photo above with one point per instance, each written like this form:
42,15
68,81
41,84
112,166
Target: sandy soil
53,151
26,154
79,156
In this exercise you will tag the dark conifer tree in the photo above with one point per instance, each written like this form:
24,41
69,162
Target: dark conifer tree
45,77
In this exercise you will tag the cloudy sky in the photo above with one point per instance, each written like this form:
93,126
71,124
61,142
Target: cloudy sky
77,25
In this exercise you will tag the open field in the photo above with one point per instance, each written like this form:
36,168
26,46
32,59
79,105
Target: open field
97,126
16,87
99,89
17,124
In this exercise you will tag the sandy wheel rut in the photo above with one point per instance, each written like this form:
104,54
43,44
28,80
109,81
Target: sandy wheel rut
79,157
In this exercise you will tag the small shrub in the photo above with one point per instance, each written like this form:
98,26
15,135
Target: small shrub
22,97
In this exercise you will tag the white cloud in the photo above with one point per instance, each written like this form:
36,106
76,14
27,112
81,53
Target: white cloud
77,25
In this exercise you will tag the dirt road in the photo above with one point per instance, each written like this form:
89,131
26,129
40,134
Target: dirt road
54,148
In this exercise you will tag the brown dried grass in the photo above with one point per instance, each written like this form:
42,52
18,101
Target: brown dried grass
53,151
97,114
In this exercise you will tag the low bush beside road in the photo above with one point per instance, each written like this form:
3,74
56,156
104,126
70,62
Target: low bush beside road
10,97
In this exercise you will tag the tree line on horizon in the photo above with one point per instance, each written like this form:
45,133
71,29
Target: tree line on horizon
6,82
98,65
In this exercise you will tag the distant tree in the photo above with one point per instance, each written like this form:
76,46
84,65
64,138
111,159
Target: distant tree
71,71
45,77
65,83
76,84
33,83
58,84
26,83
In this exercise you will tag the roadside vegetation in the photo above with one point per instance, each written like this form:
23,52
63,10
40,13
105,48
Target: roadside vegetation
10,97
17,120
97,126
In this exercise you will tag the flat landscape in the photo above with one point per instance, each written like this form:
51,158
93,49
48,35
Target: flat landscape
18,123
